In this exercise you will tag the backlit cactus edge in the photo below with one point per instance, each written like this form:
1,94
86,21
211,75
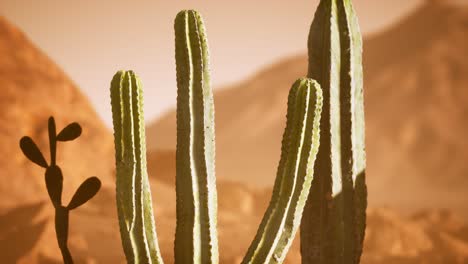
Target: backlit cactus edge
322,161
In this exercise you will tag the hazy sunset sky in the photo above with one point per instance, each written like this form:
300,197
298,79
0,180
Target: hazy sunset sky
91,40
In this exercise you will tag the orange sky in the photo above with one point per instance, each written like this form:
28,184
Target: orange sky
91,39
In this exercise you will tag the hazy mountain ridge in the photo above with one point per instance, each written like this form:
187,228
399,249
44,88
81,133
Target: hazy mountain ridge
417,105
416,113
32,89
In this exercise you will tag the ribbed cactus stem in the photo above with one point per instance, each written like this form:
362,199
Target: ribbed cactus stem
353,133
196,235
295,172
133,194
333,225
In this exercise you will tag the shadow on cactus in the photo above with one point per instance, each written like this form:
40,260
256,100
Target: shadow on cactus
334,221
54,180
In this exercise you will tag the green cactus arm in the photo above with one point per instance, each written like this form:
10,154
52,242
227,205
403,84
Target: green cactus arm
295,172
332,229
353,133
125,214
285,148
133,196
311,144
196,235
279,178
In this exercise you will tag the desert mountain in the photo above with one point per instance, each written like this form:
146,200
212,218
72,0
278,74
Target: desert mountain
32,88
416,107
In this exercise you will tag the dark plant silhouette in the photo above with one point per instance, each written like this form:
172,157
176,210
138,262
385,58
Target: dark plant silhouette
54,180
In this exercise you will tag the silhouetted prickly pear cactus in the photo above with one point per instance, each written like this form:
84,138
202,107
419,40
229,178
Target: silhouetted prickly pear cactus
333,224
54,180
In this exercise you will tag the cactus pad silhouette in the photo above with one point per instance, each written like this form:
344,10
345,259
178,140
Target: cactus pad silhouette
54,180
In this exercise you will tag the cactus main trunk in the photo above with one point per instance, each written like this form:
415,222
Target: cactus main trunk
137,227
332,229
196,235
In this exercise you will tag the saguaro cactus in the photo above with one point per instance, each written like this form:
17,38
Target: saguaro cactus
54,181
134,205
295,172
196,235
333,224
333,227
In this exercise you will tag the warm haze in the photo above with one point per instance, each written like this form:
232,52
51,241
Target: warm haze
91,40
416,73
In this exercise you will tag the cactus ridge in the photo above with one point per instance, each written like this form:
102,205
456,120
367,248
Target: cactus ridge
134,205
294,176
334,219
195,174
352,125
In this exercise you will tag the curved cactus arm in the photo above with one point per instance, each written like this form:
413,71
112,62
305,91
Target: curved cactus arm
134,205
333,224
352,133
295,172
196,235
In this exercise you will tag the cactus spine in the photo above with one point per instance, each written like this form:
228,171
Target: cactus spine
133,194
196,236
295,172
333,224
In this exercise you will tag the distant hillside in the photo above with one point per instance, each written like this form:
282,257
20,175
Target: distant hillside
416,73
32,88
